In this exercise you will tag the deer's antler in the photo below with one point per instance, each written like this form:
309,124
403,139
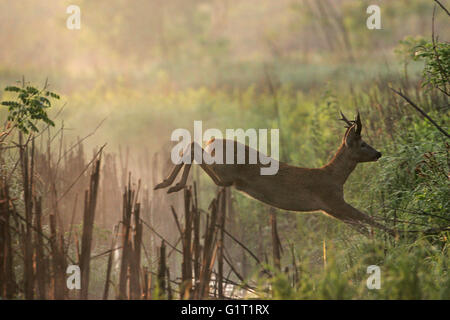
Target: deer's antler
348,122
351,123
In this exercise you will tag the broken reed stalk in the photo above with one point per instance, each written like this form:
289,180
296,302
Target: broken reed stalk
110,261
162,271
221,243
129,277
126,241
58,262
7,277
187,250
196,244
88,226
276,244
185,236
135,263
295,278
210,249
169,287
146,291
41,265
27,181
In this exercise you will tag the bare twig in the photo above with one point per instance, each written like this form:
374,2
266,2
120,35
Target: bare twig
442,6
421,111
82,173
246,249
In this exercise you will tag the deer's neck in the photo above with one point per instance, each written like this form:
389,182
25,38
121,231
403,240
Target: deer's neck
341,166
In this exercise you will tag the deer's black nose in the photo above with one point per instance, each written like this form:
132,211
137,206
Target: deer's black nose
378,155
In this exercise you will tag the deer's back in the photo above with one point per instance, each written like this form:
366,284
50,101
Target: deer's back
290,188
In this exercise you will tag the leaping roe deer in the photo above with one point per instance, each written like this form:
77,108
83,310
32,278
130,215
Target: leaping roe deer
294,188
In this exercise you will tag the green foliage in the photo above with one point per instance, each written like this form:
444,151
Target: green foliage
407,271
29,107
437,64
435,56
411,184
406,48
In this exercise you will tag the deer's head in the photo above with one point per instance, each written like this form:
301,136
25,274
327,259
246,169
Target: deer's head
356,147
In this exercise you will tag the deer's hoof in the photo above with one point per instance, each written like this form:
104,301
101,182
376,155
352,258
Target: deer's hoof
161,185
175,188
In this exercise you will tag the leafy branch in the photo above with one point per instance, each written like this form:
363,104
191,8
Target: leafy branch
29,107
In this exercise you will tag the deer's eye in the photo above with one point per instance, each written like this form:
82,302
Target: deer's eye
363,145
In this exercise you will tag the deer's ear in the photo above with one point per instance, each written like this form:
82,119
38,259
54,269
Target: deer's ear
351,137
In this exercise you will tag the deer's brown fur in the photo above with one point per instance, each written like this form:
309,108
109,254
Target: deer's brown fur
295,188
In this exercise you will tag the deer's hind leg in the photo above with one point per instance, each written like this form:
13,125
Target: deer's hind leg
206,167
170,179
180,185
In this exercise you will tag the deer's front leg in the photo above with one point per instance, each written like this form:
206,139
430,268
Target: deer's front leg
355,218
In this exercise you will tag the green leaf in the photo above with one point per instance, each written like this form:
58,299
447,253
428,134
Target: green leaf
12,89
